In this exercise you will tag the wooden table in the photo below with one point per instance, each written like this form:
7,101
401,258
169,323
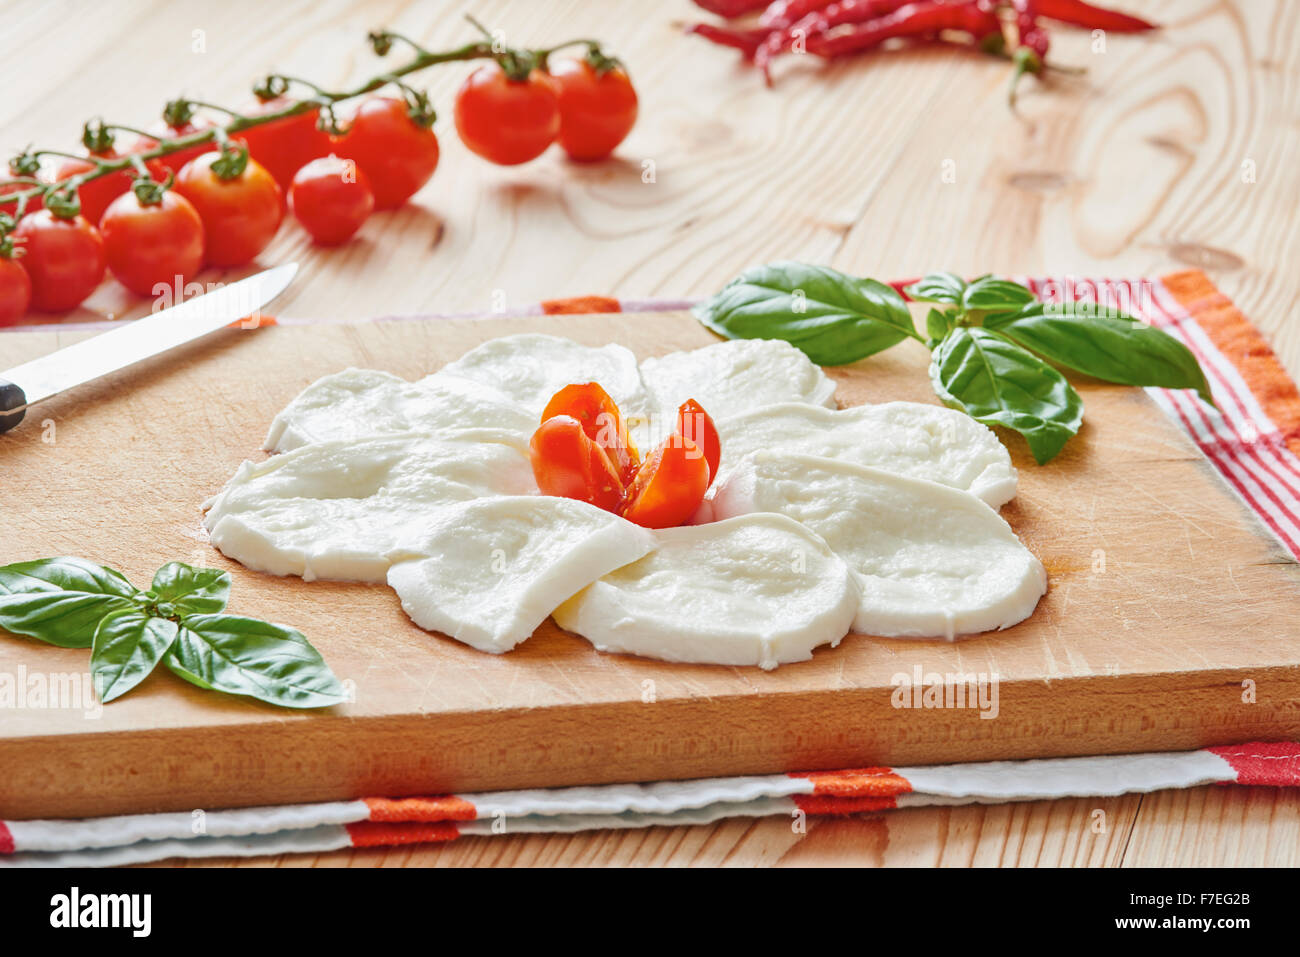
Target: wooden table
1173,150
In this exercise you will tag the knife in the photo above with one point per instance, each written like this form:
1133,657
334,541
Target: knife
29,383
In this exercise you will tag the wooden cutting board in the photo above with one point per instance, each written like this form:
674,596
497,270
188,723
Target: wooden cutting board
1169,622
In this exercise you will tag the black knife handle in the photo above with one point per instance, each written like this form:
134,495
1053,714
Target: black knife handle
13,405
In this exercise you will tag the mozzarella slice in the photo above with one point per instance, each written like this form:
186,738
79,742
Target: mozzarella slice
530,368
361,403
498,567
757,590
921,441
931,561
732,377
339,509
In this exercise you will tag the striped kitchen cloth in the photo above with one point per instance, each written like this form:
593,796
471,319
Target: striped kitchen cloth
377,822
1253,439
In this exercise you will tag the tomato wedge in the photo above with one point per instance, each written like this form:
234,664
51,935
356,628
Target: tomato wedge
697,425
669,486
601,421
567,463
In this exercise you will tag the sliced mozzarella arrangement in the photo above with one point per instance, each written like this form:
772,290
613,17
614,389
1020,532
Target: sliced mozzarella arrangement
361,403
531,368
732,377
756,590
820,520
931,561
497,567
922,441
339,509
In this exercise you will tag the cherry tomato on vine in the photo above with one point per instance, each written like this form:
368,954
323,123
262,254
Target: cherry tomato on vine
174,161
395,151
669,486
567,463
33,202
240,215
597,109
64,259
98,193
147,243
507,121
15,290
284,146
331,197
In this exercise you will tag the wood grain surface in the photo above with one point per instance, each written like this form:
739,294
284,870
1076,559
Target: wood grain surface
1172,150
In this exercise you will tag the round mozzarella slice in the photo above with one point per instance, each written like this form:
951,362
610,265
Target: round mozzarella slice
361,403
931,561
497,567
909,438
530,368
757,590
732,377
339,509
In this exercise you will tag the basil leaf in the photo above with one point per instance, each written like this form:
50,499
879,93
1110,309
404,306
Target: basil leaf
256,658
938,323
937,287
991,293
127,646
194,591
998,383
1112,347
61,600
833,318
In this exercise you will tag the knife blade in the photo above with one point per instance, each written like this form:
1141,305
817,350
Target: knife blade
29,383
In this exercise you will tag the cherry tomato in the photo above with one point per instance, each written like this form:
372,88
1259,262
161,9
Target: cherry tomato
601,421
174,161
98,193
597,110
331,197
284,146
398,154
33,202
240,215
63,257
148,244
507,121
15,291
697,425
669,486
569,464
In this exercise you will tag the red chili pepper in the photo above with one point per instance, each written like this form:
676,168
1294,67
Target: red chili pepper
731,8
1080,14
976,17
786,13
746,41
824,17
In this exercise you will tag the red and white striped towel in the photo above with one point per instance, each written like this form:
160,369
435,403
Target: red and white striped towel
1253,439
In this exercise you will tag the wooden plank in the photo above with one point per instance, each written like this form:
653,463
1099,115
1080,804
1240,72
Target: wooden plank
1164,598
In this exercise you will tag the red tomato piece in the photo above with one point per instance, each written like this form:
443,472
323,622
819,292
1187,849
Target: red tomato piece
669,486
149,244
284,146
597,109
398,154
697,425
64,259
331,197
15,291
567,463
240,215
507,121
601,421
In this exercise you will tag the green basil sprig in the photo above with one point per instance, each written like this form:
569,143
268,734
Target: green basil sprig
77,604
994,346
